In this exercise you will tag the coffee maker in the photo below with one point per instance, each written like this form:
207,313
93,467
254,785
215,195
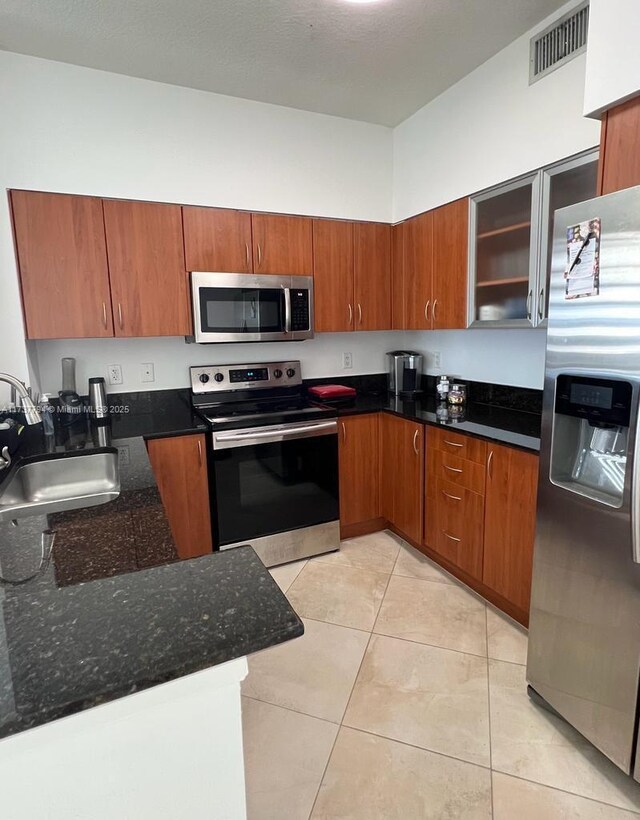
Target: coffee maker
404,372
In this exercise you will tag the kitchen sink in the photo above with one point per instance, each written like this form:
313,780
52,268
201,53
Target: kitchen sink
58,484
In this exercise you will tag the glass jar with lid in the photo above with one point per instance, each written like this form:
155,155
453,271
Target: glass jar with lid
457,394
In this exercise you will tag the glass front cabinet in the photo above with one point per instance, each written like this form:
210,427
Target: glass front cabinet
510,232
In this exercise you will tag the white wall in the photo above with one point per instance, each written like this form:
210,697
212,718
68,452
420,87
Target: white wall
613,55
320,356
82,131
489,127
513,357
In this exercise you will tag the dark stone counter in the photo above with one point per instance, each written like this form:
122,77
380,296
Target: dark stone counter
114,610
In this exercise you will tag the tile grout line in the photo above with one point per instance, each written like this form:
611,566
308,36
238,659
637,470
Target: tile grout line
419,748
564,791
355,680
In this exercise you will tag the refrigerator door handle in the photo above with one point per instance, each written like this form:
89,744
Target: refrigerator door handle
635,500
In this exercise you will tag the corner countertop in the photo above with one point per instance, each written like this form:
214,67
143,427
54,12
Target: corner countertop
115,611
516,428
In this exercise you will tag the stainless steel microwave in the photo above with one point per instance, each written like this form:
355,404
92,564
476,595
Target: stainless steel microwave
241,307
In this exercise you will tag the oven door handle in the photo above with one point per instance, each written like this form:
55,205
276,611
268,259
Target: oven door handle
246,438
287,310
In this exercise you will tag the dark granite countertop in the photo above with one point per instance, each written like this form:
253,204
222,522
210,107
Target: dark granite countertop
114,610
514,427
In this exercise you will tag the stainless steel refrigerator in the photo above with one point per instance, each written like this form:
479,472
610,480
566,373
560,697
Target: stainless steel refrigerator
584,640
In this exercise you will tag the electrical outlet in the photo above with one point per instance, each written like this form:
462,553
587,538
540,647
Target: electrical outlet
147,372
436,358
124,455
347,361
114,374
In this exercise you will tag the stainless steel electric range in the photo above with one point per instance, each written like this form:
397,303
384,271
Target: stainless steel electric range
273,461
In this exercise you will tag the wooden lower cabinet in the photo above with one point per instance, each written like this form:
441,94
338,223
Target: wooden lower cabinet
359,473
402,474
180,467
510,522
454,506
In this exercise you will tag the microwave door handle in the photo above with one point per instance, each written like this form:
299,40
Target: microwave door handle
287,309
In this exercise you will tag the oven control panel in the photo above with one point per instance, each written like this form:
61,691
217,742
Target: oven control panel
219,377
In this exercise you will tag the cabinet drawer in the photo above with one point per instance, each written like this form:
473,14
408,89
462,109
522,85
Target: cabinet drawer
457,527
458,471
456,444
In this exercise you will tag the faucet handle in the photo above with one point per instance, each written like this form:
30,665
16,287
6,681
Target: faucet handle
5,458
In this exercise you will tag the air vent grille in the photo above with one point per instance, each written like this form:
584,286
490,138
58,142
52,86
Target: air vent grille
560,42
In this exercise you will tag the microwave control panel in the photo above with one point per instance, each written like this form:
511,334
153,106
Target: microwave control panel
299,309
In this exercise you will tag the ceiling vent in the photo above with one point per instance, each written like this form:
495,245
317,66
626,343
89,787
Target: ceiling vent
558,43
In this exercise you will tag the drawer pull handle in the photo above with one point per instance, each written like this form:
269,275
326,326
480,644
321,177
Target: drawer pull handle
415,441
359,313
199,453
452,537
489,462
344,432
350,315
452,443
452,497
451,469
246,254
104,314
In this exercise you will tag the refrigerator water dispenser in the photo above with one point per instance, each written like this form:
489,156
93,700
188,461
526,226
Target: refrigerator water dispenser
590,437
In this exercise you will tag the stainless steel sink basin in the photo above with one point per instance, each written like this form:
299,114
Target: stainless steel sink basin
58,484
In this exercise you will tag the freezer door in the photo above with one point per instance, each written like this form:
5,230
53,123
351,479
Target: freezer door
584,640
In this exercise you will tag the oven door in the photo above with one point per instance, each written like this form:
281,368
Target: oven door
240,307
268,481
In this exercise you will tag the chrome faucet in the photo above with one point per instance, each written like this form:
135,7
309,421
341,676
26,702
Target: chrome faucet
31,414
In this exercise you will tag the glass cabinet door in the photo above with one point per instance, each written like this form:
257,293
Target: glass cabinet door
566,183
504,254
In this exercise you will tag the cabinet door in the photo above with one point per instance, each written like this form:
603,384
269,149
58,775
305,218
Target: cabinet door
505,254
62,259
418,268
217,239
180,467
359,469
146,266
402,487
509,524
566,183
333,275
397,277
620,148
372,276
282,245
450,260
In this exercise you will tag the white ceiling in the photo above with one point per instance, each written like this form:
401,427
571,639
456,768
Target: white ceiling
377,61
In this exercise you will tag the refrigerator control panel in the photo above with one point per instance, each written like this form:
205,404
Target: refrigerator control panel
600,401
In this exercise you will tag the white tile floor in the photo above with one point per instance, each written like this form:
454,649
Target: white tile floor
406,699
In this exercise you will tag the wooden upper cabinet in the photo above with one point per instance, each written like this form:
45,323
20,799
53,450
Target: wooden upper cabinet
402,474
359,469
333,275
418,271
510,523
450,261
620,148
282,245
397,276
180,467
217,239
372,275
149,284
62,260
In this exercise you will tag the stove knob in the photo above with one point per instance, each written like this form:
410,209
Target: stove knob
219,377
291,372
203,378
277,374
